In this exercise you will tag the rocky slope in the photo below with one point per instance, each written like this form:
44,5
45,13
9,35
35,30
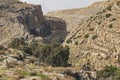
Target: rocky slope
93,33
18,19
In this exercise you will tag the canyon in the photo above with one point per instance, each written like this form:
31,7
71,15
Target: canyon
92,34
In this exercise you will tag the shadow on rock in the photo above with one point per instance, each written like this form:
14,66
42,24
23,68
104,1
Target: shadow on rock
58,30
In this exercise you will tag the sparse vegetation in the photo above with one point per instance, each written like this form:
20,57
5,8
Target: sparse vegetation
44,77
108,15
94,36
91,29
114,19
108,71
117,74
25,73
110,25
34,73
118,3
55,55
86,36
76,43
110,7
77,37
51,54
59,39
17,43
119,58
69,41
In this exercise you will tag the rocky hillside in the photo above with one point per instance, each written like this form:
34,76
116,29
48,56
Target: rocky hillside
88,37
18,19
93,33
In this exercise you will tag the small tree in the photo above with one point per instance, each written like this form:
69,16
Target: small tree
17,43
55,55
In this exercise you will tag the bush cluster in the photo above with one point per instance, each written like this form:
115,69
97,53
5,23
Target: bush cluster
94,36
86,36
110,7
118,3
54,54
109,71
51,54
108,15
91,29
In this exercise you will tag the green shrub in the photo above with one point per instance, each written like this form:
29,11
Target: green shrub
110,7
33,73
76,43
117,74
54,54
69,41
17,43
77,37
94,36
31,48
91,29
51,54
114,19
21,44
118,58
118,3
86,36
108,15
59,39
108,71
24,73
44,77
110,25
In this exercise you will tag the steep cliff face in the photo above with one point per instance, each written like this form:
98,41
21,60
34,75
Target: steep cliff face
93,33
18,19
58,30
34,20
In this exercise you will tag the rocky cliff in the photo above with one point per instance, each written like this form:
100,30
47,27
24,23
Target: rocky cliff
93,33
18,19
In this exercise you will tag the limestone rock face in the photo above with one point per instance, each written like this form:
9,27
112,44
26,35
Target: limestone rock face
18,19
93,33
58,29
